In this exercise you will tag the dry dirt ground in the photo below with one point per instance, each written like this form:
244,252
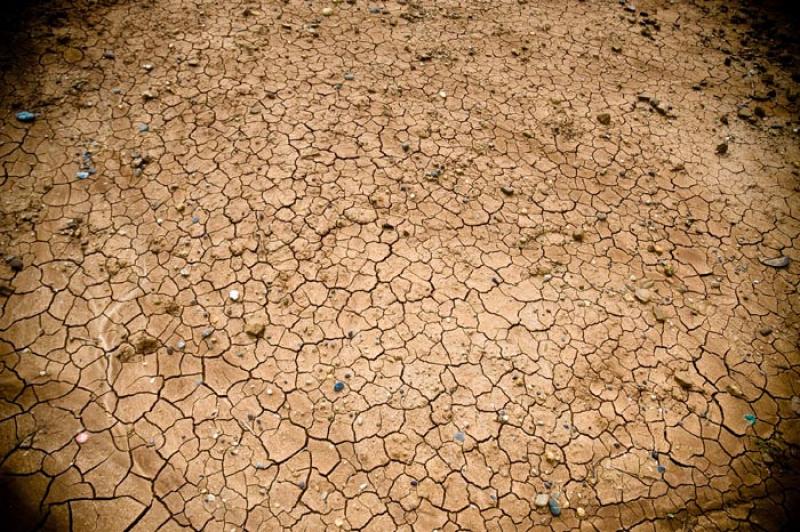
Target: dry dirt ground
403,265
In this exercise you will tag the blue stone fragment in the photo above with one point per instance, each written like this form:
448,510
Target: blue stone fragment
338,386
555,508
83,174
661,469
26,116
459,437
750,418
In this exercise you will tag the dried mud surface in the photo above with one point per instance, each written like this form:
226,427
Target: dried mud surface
452,265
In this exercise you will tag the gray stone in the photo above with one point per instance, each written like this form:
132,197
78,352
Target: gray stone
541,500
778,262
643,295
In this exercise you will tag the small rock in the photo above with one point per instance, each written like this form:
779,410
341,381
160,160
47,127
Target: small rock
765,331
328,11
338,386
581,512
255,328
578,235
604,118
25,116
149,95
507,190
83,174
684,381
745,114
148,67
442,94
643,295
234,295
541,500
193,62
459,437
796,404
82,437
555,508
660,314
722,148
181,345
349,76
778,262
733,389
5,289
16,264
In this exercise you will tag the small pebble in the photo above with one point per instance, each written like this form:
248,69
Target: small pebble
234,295
16,264
555,508
83,437
581,512
459,437
643,295
328,11
26,116
778,262
338,386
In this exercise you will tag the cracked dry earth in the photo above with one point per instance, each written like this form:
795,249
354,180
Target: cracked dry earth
454,265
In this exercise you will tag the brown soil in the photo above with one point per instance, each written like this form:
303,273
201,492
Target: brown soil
403,265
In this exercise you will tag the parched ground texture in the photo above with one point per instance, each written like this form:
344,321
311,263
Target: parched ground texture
403,265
